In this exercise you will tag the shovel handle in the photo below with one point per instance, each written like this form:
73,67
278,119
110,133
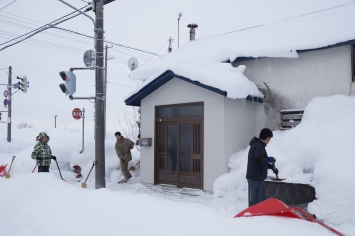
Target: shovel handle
93,164
34,168
13,158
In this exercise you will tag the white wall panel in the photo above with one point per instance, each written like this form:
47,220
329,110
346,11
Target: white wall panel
178,91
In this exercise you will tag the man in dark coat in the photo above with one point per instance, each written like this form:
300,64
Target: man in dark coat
258,165
123,150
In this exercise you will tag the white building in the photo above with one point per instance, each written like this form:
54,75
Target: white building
193,101
194,130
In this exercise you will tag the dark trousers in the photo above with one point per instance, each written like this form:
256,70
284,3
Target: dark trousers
257,191
43,169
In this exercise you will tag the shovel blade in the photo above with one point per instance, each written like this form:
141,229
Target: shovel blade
83,185
7,176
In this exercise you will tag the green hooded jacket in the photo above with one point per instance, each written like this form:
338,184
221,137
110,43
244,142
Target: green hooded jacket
42,149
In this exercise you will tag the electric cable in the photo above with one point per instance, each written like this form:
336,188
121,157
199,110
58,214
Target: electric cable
142,55
286,19
8,4
45,26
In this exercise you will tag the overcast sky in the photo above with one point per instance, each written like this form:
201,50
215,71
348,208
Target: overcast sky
141,24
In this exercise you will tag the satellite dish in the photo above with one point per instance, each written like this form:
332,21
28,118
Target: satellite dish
90,58
132,63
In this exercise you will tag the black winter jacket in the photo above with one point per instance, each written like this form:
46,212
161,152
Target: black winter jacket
258,160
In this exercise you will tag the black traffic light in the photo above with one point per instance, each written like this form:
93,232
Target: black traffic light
69,87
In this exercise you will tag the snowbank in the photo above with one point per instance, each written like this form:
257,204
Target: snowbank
42,204
319,152
66,144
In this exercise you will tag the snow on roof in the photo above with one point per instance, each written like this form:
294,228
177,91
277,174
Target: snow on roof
201,59
218,75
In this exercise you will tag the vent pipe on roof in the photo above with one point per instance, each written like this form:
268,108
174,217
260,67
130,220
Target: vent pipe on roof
192,30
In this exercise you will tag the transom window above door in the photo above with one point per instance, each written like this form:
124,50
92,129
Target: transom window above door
180,111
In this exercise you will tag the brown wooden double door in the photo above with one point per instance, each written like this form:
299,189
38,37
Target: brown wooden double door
179,152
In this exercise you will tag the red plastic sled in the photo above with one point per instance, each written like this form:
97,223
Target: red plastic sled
3,171
274,207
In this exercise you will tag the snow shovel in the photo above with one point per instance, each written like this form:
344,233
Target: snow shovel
34,168
134,167
3,172
83,185
277,178
59,171
8,173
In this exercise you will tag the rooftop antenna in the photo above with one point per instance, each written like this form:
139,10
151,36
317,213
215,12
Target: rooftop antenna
179,17
170,42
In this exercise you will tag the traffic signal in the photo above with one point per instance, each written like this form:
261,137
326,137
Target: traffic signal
23,84
69,87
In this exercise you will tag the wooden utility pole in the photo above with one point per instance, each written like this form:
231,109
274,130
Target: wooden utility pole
9,106
100,181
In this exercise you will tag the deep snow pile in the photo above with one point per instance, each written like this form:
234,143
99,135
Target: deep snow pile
43,205
66,144
277,39
319,151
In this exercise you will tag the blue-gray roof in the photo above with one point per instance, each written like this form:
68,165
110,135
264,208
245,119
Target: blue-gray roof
135,99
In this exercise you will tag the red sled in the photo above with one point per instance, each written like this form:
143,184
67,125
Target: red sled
274,207
3,171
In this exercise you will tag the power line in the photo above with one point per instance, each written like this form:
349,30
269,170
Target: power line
53,25
72,32
8,4
286,19
40,29
110,42
139,55
46,71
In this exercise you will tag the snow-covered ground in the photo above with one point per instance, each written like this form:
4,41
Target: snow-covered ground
319,151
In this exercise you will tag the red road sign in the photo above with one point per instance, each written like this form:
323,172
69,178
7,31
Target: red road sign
6,102
6,93
77,114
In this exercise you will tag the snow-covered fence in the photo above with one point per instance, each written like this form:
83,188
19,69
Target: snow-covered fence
291,118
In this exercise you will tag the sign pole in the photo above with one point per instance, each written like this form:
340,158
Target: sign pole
82,150
9,107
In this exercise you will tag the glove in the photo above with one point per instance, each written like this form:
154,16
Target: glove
39,158
53,158
123,160
272,159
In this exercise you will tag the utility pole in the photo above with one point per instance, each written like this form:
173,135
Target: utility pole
9,106
100,181
55,121
179,17
170,41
